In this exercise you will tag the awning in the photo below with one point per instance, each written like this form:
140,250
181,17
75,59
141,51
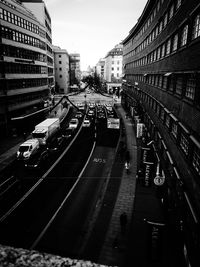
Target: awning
168,74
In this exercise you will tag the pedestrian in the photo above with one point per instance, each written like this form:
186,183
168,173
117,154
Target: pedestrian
127,166
123,222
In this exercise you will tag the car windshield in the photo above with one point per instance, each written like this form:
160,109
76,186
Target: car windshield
23,148
38,135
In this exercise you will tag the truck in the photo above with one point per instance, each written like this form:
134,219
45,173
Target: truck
27,149
46,130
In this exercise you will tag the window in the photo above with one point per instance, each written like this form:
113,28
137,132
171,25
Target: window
184,35
60,62
163,50
165,19
174,129
171,11
158,110
168,46
196,160
160,81
196,27
178,3
160,26
165,82
60,76
184,144
175,43
162,114
190,87
167,121
179,84
59,55
158,52
171,84
1,13
60,68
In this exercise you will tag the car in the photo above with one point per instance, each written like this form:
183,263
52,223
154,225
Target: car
86,123
91,113
37,160
27,149
79,115
73,124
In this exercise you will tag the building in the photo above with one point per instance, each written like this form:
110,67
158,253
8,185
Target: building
61,70
75,72
161,89
24,71
100,69
39,9
113,68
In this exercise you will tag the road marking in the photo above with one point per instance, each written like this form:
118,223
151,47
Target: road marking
99,160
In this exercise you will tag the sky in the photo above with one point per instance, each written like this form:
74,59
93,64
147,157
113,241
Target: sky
92,27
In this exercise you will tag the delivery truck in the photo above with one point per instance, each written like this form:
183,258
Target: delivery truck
45,130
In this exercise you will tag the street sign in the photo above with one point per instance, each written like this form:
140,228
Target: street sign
159,180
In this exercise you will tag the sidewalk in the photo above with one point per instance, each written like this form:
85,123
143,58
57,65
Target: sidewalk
131,247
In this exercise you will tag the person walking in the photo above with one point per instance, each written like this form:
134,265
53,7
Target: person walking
123,222
127,167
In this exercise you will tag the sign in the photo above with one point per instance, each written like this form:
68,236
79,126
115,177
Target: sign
148,173
159,180
145,154
155,240
140,129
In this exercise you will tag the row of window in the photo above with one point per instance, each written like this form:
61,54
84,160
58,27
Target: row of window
183,85
187,143
10,67
12,51
163,21
25,83
23,23
176,41
20,37
26,98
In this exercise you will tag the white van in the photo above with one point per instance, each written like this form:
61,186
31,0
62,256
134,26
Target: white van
27,149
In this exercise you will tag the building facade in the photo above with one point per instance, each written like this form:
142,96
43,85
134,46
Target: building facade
61,70
162,90
75,69
100,69
39,9
113,68
24,84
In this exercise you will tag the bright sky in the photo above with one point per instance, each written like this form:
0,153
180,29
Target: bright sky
92,27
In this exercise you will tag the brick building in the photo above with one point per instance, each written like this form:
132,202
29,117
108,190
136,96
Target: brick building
162,90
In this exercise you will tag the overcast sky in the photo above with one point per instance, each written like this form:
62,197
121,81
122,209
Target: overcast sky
92,27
